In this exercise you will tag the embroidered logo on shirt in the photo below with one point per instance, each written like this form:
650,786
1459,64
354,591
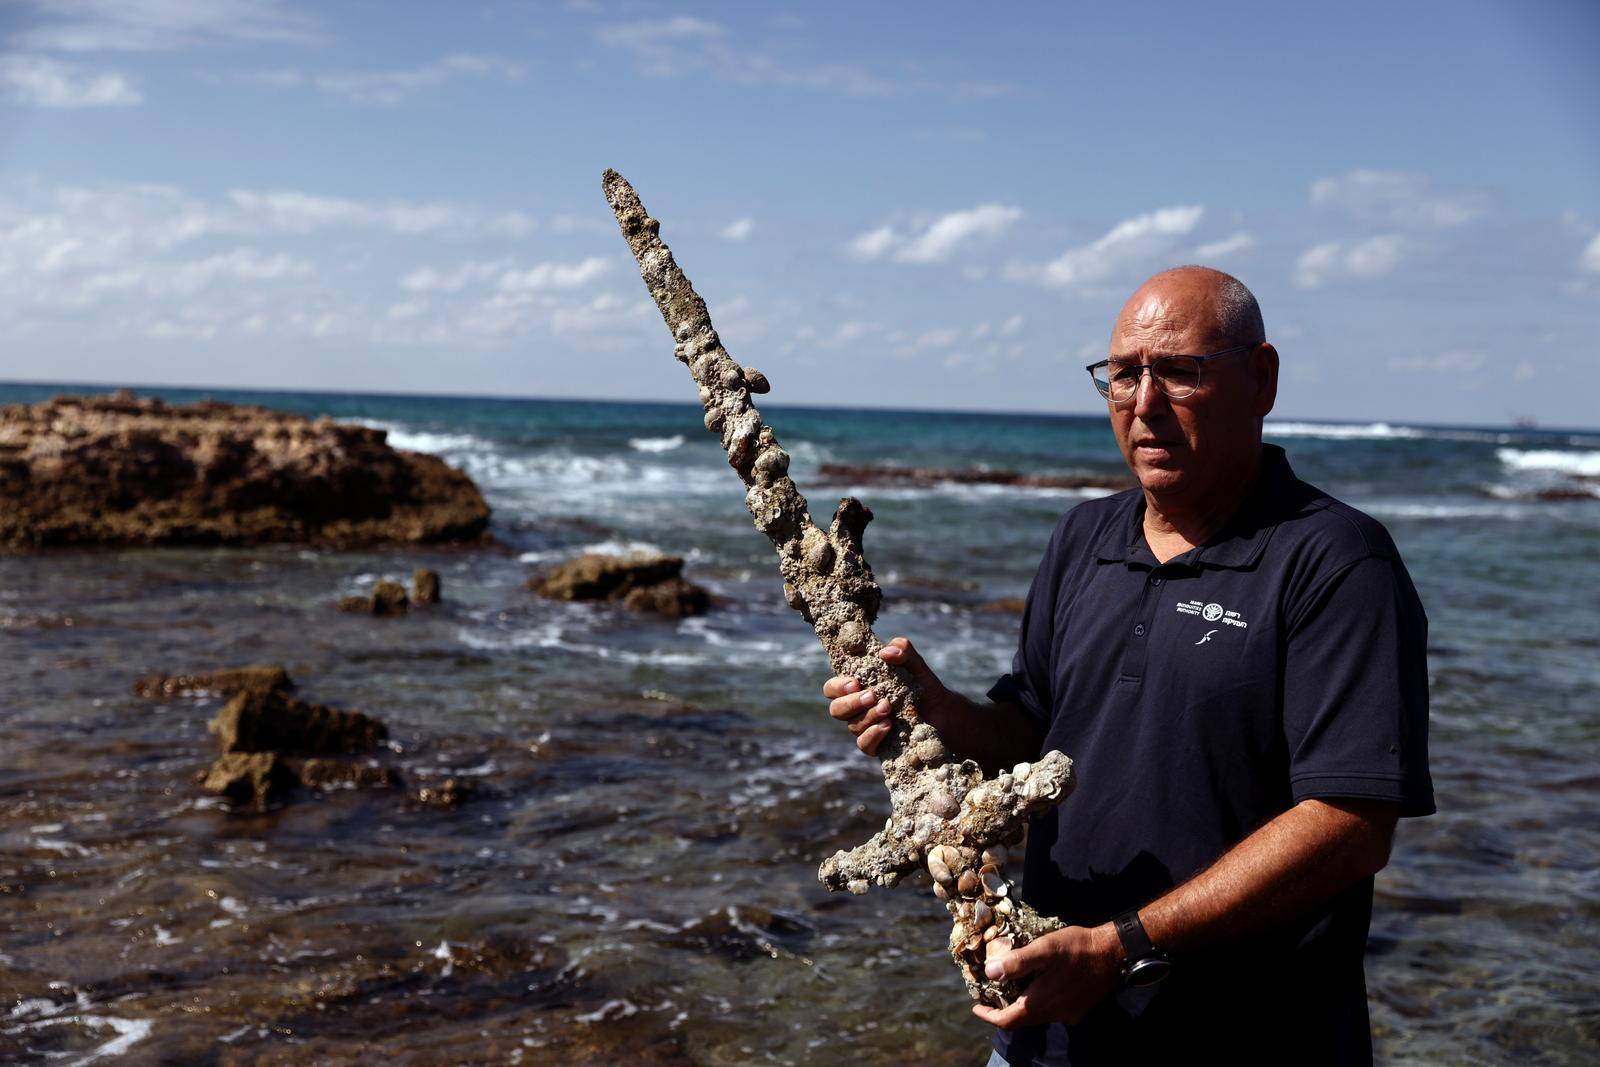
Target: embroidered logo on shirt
1212,612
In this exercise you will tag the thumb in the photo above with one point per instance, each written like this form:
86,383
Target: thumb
900,653
1022,961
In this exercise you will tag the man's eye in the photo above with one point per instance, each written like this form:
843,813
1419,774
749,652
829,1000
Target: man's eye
1122,373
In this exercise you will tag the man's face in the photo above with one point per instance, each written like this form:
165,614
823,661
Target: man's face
1189,451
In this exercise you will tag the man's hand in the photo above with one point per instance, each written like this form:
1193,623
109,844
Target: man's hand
865,714
1068,972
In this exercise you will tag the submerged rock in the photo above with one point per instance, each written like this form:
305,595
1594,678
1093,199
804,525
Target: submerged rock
273,721
641,582
868,474
250,779
324,773
450,793
119,470
387,599
674,598
227,681
424,586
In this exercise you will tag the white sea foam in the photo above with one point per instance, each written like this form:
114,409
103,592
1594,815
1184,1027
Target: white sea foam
407,440
1585,464
1340,431
1399,509
656,444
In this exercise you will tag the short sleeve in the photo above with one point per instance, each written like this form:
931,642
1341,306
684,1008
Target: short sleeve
1028,684
1355,689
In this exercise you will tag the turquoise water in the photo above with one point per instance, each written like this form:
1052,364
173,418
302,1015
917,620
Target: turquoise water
637,884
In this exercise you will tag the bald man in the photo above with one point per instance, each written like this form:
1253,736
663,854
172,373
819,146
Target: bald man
1236,663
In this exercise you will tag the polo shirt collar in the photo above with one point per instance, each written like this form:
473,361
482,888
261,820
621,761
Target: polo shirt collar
1238,545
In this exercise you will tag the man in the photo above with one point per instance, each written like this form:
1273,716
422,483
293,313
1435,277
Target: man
1235,661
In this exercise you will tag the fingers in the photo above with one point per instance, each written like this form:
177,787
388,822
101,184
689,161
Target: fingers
878,713
839,685
1021,962
848,707
900,653
1017,1013
871,737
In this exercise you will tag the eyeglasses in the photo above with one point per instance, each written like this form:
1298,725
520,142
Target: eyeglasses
1175,376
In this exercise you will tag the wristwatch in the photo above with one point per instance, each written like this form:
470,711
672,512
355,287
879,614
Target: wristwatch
1142,963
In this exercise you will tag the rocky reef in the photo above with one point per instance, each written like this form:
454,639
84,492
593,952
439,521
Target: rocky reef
644,583
122,470
870,474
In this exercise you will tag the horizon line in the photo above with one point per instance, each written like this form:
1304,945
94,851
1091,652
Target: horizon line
515,398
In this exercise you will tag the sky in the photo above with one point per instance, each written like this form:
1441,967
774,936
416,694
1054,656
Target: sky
884,205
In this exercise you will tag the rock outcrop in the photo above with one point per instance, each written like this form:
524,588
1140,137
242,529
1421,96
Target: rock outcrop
642,582
424,586
224,682
120,470
273,721
867,474
387,598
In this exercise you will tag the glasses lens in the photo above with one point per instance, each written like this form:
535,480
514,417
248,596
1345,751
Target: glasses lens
1122,380
1102,379
1179,376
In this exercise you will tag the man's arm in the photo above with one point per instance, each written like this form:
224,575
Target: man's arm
1290,865
996,735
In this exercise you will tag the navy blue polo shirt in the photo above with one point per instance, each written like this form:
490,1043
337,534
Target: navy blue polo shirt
1284,659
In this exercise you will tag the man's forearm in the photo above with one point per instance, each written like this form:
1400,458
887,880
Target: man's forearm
996,736
1289,866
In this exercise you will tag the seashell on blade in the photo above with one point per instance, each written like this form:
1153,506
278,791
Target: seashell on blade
970,883
994,883
940,858
982,914
996,855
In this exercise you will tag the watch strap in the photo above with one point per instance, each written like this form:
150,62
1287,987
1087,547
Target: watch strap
1135,942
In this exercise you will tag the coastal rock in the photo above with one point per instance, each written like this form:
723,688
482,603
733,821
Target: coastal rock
119,470
675,598
424,586
324,773
866,474
1007,605
225,682
273,721
387,599
250,779
450,793
641,582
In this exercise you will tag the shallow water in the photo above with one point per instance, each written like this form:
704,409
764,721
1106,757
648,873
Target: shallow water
636,883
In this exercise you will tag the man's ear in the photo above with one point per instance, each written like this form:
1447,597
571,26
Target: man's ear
1264,362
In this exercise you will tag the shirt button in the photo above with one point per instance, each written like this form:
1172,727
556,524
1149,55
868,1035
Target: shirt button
1138,631
1154,580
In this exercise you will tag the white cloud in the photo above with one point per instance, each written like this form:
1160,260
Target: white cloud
554,275
391,86
738,229
937,240
1228,246
683,45
161,25
1590,260
298,212
1336,260
430,280
1398,200
873,243
43,82
947,232
1455,361
1126,245
1012,326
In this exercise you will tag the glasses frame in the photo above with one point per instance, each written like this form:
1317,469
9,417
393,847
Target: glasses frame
1199,361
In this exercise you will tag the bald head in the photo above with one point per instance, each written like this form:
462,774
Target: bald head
1218,303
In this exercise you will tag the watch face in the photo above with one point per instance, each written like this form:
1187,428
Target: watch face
1148,971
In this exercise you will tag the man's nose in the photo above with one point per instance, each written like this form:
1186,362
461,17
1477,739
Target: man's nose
1146,396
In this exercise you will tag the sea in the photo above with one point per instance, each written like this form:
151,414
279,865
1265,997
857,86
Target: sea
634,880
